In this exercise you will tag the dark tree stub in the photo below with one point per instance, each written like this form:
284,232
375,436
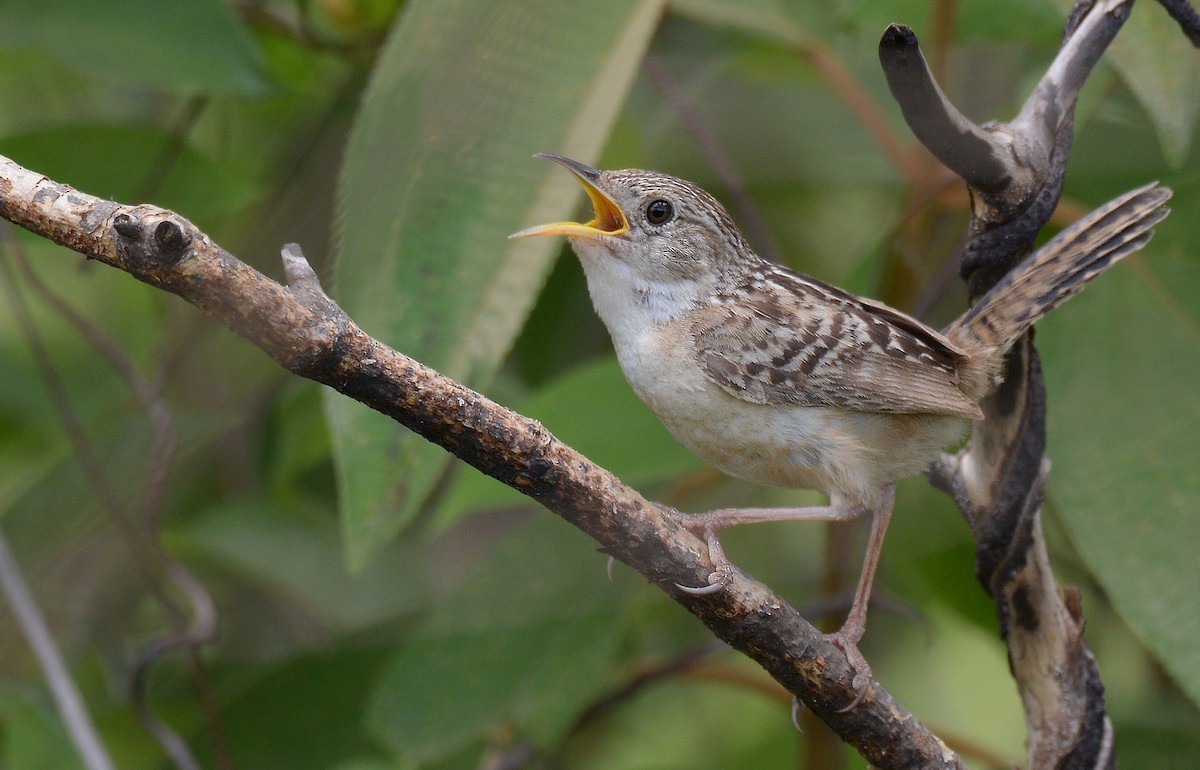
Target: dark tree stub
127,225
171,239
967,149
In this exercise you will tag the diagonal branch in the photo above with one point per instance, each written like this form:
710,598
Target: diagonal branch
300,327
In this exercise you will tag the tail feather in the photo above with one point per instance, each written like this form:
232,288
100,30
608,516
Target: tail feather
1055,272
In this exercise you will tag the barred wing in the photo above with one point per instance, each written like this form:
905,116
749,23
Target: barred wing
800,341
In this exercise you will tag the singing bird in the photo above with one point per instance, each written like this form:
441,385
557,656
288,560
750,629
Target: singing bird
784,380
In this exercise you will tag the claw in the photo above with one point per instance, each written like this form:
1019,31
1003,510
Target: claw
797,710
722,574
862,693
701,590
858,664
718,579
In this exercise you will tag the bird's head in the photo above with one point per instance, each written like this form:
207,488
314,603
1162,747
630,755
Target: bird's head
663,230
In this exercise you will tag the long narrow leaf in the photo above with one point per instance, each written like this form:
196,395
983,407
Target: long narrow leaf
437,173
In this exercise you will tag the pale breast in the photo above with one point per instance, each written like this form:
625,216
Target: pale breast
845,454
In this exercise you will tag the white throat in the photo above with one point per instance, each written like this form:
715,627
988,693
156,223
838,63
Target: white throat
630,304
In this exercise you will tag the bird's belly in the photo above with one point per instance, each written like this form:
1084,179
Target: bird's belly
842,453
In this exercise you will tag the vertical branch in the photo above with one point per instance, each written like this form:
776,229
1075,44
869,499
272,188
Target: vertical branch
1015,173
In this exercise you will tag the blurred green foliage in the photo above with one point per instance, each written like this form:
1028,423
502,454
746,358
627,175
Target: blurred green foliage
382,606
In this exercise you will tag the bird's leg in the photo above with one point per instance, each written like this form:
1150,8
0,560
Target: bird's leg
847,637
708,524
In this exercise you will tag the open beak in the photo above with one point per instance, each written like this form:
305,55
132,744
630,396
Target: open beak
609,220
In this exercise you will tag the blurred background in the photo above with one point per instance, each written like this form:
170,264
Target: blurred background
379,605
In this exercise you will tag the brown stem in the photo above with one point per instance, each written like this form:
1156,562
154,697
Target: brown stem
718,161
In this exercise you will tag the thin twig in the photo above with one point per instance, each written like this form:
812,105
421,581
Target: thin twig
67,699
943,19
173,149
859,101
73,426
201,631
156,563
149,396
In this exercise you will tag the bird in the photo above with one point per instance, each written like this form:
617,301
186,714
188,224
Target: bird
785,380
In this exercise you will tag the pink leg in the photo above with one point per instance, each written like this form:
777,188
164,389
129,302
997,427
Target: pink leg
708,524
728,517
848,636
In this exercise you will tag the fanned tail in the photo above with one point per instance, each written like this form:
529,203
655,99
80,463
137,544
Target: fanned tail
1053,273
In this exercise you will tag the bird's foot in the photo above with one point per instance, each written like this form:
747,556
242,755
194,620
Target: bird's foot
718,580
722,572
848,643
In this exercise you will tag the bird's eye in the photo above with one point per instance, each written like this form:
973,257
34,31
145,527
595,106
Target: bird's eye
659,212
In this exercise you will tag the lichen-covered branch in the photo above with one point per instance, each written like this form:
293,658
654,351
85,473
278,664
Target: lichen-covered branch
300,327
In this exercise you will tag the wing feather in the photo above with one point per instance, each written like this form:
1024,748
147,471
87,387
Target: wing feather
780,338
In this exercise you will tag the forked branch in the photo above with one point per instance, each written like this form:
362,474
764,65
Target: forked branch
1015,173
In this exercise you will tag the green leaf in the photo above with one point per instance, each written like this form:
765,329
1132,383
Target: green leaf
1166,743
291,556
34,738
768,19
366,764
1123,363
437,174
1162,69
185,46
529,639
306,714
120,161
